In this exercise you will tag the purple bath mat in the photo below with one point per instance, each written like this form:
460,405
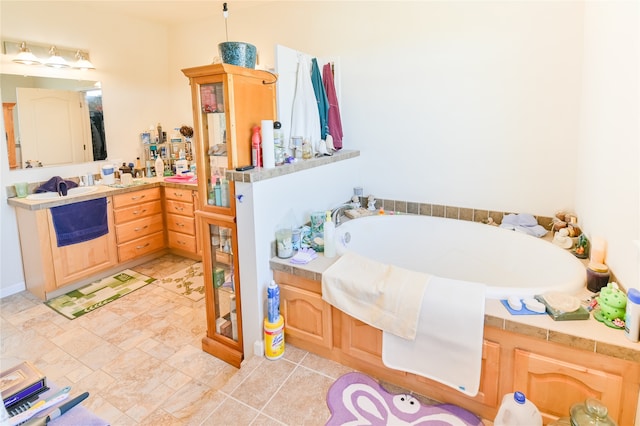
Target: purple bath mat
357,399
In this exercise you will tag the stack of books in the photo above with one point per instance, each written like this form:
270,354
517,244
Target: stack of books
20,385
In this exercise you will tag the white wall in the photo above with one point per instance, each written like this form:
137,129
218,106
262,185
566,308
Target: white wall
286,200
474,104
608,192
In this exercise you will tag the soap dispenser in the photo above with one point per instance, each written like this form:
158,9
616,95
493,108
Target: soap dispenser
329,237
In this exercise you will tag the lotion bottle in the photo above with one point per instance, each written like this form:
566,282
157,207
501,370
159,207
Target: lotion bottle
159,166
329,237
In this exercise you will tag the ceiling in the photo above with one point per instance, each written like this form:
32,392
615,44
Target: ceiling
167,12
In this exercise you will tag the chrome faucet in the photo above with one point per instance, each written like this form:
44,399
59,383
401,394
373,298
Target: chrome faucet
335,213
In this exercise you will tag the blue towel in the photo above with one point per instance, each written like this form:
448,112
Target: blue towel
53,185
79,222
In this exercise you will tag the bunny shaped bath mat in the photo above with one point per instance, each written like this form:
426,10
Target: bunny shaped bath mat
357,399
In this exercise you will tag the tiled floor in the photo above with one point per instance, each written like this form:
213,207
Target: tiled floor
140,359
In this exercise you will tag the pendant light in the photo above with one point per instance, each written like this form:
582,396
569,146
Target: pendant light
55,60
25,56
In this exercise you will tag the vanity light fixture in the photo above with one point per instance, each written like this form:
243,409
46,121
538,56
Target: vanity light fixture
46,54
83,62
55,60
25,56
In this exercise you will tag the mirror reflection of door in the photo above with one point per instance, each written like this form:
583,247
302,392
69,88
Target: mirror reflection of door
7,110
54,126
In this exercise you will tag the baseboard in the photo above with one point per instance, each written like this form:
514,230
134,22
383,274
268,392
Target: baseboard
12,289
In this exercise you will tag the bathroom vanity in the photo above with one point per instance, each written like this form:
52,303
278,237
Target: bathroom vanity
556,364
137,233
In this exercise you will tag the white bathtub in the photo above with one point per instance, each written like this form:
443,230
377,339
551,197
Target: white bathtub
508,262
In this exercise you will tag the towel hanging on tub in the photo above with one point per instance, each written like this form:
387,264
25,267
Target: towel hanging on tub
82,221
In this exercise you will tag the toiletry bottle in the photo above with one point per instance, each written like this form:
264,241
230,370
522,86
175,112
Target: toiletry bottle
273,302
218,192
224,192
329,237
211,198
159,166
255,147
632,315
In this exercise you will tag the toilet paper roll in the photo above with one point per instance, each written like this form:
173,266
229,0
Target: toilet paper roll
268,149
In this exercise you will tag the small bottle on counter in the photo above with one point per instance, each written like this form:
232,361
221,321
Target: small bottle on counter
632,315
597,276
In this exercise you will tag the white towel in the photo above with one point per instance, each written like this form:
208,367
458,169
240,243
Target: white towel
383,296
448,344
305,118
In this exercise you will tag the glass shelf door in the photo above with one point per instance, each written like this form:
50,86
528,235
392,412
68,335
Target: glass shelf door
214,144
221,273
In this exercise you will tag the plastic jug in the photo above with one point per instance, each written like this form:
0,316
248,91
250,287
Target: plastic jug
517,410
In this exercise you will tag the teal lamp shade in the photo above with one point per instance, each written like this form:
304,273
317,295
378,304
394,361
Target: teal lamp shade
238,53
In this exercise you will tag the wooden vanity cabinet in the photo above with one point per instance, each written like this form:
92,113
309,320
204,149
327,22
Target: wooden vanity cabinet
179,207
47,267
555,376
139,223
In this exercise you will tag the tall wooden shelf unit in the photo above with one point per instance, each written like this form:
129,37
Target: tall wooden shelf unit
227,101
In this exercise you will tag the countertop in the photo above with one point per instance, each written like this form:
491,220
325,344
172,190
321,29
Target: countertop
589,335
102,191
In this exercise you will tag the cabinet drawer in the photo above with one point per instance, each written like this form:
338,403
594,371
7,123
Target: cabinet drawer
137,197
182,241
183,224
138,211
178,194
138,228
179,207
140,247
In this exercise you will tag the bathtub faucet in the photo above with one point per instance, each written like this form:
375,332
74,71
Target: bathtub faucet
335,213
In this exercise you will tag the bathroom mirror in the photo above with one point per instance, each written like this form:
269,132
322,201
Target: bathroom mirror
52,121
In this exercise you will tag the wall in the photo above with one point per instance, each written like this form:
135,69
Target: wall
473,104
608,192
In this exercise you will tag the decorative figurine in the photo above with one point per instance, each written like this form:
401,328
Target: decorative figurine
371,203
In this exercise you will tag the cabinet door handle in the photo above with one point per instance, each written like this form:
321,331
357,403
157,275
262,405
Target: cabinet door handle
140,211
140,229
179,224
178,194
140,197
142,246
179,208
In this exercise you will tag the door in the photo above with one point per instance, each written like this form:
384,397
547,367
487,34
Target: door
54,125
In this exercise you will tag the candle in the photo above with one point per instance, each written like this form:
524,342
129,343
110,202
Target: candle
598,246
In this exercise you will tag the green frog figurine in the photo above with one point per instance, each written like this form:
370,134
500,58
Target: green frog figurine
611,306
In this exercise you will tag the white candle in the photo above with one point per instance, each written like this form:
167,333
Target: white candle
598,247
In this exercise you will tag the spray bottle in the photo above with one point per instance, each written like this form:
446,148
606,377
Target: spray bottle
329,237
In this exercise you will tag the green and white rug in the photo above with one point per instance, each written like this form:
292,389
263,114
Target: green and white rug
78,302
188,282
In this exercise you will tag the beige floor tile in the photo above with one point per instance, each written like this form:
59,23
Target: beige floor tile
257,389
302,399
193,403
325,366
232,412
201,366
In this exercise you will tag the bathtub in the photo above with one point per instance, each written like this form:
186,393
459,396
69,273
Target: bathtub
507,262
